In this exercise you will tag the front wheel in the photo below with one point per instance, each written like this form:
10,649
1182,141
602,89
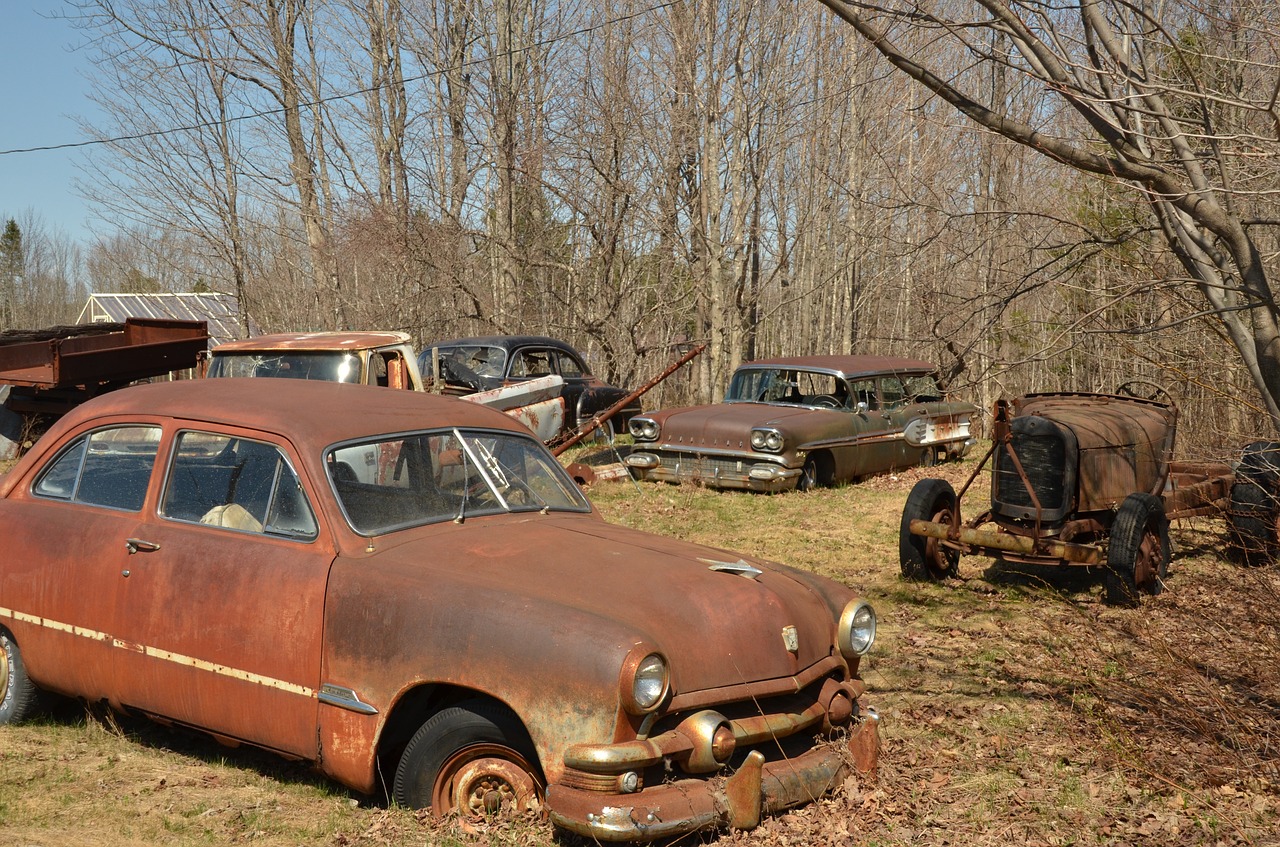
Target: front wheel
19,697
1138,552
922,558
473,758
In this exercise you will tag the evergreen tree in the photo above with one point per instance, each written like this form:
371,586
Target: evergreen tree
12,266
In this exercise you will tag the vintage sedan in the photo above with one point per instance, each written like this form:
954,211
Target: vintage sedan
487,362
803,422
409,592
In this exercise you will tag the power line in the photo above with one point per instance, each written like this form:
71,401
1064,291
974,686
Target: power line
159,133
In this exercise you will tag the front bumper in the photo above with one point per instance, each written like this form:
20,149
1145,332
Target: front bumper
744,473
756,788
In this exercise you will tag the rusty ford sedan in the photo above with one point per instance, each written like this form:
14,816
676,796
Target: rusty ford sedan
803,422
409,592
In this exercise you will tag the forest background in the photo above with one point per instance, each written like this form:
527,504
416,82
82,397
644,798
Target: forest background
1036,196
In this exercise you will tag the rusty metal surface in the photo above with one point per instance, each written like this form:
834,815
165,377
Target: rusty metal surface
995,542
1125,443
315,341
334,648
144,347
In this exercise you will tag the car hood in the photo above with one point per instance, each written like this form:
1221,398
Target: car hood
716,627
728,425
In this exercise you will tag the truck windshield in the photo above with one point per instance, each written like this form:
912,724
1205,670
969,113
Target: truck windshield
410,480
329,366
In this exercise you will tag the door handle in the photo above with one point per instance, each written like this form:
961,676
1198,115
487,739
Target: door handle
137,545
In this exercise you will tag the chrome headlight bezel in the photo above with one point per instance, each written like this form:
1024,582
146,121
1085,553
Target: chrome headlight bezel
644,429
645,681
767,440
856,632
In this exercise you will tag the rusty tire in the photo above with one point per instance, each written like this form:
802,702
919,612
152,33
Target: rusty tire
928,559
1138,551
19,697
1260,464
1253,524
473,758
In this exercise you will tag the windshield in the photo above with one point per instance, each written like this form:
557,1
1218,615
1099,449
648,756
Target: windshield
426,477
329,366
792,387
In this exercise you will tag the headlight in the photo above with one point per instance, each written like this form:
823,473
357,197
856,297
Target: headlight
857,630
769,440
643,429
644,682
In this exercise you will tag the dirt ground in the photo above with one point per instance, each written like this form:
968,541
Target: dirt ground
1017,709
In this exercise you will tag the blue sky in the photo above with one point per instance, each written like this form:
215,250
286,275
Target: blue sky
42,91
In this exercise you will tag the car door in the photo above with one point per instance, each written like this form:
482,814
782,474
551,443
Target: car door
66,537
894,396
873,446
223,603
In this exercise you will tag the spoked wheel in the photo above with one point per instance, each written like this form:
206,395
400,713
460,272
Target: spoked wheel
473,758
1142,389
923,558
483,780
1138,552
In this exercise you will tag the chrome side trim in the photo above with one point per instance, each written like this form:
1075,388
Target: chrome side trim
344,698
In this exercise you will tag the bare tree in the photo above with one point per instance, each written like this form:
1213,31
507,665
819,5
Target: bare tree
1151,96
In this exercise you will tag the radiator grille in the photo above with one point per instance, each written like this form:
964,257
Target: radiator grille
1044,458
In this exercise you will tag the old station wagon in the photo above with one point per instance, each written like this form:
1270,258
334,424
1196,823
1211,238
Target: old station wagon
803,422
409,592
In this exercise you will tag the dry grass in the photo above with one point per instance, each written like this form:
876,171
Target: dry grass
1018,709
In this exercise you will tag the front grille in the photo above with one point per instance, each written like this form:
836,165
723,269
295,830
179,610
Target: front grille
1044,459
701,467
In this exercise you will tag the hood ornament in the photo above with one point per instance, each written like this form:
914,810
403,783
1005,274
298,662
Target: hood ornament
739,567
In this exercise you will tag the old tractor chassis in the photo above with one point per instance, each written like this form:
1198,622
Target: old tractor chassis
1120,494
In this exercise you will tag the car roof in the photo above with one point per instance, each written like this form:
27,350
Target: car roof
314,341
507,342
849,366
313,411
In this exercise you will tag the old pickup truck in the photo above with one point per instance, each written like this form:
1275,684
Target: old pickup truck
377,358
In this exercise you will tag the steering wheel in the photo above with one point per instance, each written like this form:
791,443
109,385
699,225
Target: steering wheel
825,401
1142,389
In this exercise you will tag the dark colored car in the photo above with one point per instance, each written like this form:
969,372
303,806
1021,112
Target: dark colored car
805,421
409,592
486,362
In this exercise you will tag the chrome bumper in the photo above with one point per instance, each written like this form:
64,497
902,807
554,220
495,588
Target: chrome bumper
739,801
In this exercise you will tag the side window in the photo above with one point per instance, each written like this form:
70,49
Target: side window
236,483
864,391
110,467
892,392
531,363
567,366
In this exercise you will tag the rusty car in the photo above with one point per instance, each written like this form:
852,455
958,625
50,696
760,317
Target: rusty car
805,421
410,593
1077,479
491,362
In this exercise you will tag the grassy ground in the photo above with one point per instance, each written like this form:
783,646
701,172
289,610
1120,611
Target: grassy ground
1018,709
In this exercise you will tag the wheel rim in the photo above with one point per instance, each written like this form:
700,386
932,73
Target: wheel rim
484,779
1146,566
4,670
937,557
